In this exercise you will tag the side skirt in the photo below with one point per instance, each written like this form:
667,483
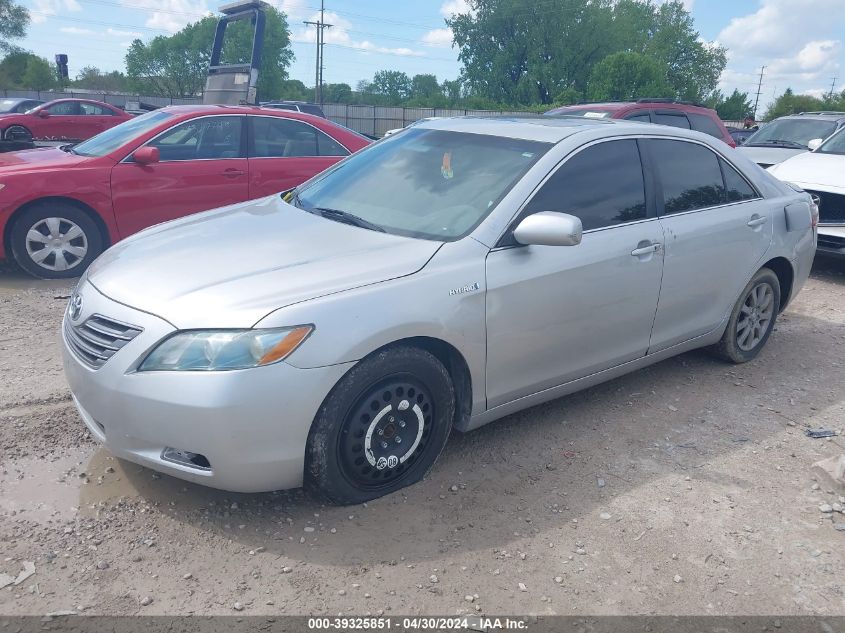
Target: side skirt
586,382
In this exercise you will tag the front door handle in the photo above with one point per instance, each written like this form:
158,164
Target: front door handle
756,220
647,249
232,173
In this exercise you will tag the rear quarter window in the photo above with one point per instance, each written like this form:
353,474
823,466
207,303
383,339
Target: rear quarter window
704,123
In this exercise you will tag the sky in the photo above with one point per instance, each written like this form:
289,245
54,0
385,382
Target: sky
799,41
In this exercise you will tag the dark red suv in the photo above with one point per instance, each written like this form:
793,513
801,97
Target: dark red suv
683,114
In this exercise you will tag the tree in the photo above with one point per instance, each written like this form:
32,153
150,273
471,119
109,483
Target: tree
791,103
92,78
394,85
337,93
734,108
516,52
628,76
176,65
295,90
39,74
425,87
14,19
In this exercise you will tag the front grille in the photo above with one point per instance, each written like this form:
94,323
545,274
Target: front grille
831,207
98,338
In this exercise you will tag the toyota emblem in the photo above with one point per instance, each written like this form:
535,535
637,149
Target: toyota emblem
75,307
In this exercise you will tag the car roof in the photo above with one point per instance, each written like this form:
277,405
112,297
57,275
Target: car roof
548,129
613,106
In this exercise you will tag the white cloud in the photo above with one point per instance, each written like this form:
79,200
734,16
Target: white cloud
438,38
170,15
118,33
454,6
339,34
42,9
815,58
780,28
75,30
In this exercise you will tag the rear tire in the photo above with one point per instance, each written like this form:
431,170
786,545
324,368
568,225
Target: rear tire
55,240
752,319
382,427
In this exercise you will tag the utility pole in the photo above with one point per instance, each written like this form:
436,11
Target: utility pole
830,94
318,74
759,88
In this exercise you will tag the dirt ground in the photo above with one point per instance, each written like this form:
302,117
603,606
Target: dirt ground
685,488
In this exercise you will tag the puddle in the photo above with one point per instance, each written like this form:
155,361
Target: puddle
49,490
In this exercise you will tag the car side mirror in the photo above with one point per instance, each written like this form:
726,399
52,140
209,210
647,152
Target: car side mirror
43,114
815,143
549,228
146,155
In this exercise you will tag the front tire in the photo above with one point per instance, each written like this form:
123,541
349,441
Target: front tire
752,319
382,427
55,240
17,133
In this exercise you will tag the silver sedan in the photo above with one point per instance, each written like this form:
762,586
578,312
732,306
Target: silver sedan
449,275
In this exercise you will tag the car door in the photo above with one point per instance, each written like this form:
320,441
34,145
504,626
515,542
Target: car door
202,165
558,313
284,153
62,124
717,230
94,118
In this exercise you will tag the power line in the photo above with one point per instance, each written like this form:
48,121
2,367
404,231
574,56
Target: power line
320,26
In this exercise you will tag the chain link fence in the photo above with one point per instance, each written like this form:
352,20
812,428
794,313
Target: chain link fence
366,119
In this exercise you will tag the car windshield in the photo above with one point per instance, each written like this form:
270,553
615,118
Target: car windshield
791,132
431,184
834,145
6,105
584,112
112,139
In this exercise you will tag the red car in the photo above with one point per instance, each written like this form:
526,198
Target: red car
60,208
61,120
681,114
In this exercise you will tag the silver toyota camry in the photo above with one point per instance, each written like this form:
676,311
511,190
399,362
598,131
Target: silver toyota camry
452,274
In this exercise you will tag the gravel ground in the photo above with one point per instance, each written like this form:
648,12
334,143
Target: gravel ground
684,488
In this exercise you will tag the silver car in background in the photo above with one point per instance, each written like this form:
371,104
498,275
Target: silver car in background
441,278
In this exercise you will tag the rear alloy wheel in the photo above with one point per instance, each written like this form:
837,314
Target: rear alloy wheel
17,133
55,240
382,427
752,318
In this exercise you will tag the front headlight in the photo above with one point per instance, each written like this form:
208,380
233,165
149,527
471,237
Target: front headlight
217,350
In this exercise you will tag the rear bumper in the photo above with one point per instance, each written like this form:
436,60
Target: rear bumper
251,425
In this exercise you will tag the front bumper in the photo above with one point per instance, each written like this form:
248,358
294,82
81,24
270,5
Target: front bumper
251,425
831,240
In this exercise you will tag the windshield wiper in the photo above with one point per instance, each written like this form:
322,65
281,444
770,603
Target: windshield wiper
778,141
345,217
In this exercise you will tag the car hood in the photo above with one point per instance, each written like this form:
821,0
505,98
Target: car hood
42,158
230,267
769,155
813,170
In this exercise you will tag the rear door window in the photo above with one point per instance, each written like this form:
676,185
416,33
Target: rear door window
675,119
704,123
689,174
602,185
277,137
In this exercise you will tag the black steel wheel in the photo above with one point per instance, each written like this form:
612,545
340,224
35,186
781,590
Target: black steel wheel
382,427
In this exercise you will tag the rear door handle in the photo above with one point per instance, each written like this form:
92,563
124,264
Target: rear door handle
646,250
232,173
757,220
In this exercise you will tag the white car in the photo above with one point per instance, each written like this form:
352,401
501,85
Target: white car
412,124
822,174
791,135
